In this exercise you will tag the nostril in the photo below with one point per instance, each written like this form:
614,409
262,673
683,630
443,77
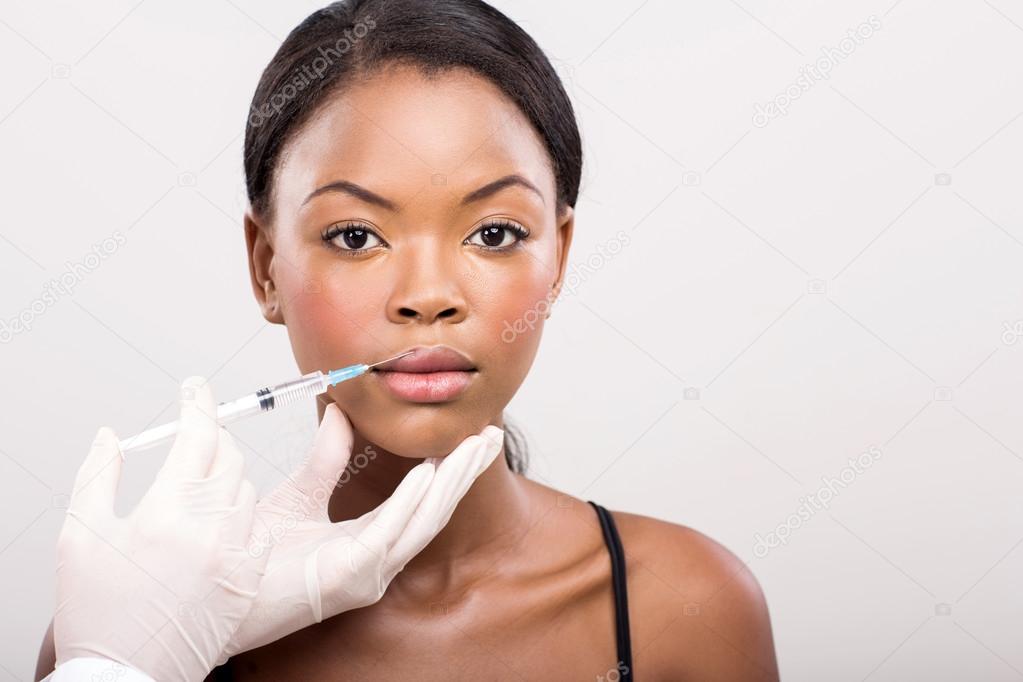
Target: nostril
408,312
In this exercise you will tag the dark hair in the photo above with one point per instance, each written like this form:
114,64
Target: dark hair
349,40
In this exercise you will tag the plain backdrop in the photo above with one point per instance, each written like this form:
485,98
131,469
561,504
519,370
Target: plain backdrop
837,275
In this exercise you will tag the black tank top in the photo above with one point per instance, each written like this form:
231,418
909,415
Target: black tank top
222,673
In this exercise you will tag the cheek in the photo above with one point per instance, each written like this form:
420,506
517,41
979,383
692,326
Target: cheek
328,326
512,318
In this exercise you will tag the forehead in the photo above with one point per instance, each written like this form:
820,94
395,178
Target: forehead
399,128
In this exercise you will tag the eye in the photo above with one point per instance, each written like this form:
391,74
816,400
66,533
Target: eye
495,233
351,237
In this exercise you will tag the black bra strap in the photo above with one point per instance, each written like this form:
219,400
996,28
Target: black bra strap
614,548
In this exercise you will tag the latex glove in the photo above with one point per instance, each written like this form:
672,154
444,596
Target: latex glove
318,568
162,589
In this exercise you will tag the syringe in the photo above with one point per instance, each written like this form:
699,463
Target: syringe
263,400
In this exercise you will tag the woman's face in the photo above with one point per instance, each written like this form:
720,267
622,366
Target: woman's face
403,255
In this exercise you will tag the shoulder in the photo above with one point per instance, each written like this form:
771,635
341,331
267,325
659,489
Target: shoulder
696,609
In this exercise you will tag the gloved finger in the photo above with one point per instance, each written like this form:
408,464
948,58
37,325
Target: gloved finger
325,579
339,578
96,481
226,472
455,475
460,469
356,525
495,439
235,532
239,528
394,513
196,442
332,448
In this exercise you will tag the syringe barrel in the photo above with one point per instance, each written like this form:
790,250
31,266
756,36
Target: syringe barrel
263,400
307,386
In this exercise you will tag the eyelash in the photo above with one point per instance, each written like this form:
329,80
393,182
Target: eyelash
335,231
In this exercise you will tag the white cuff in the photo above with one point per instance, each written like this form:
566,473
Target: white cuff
89,669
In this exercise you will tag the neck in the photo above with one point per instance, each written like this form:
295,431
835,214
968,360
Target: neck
486,523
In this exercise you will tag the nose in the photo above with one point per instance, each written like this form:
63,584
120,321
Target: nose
428,288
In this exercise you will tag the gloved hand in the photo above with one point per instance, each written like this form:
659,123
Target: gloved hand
318,568
163,588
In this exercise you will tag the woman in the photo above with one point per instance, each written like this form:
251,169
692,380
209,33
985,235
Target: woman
415,186
412,168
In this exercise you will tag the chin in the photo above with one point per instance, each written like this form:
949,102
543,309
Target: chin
423,433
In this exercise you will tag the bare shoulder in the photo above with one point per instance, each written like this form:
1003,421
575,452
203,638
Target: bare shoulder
696,609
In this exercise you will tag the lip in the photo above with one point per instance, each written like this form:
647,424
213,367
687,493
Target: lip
428,359
429,375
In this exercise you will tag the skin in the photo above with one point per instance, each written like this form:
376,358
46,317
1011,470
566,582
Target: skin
517,585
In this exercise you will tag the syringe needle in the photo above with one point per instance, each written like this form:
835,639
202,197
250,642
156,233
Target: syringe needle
389,359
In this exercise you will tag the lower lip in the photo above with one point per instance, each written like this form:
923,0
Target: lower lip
426,387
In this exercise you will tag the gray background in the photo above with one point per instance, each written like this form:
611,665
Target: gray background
847,276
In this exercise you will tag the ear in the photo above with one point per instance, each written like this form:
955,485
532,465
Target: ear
566,224
261,258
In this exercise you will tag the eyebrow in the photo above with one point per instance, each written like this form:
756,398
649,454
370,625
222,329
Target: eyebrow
369,197
499,184
354,190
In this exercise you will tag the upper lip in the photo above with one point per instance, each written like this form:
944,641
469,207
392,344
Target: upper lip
429,359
